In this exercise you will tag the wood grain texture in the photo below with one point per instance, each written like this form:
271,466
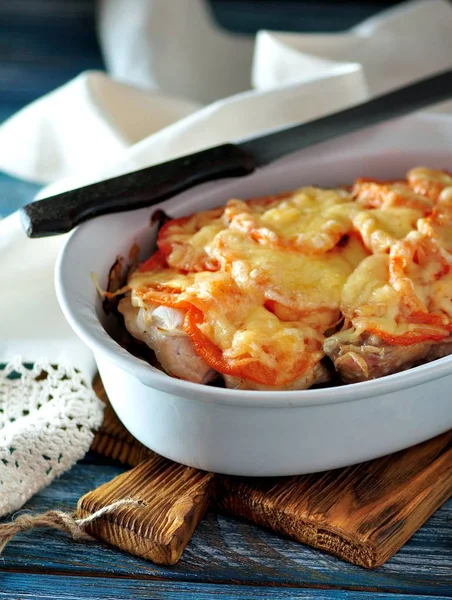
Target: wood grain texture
173,500
112,439
225,549
12,585
362,514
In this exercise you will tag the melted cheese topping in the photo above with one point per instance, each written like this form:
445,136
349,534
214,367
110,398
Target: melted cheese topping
262,282
381,228
428,182
310,219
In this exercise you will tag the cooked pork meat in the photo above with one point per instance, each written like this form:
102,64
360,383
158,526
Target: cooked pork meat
265,284
160,328
369,357
318,374
439,351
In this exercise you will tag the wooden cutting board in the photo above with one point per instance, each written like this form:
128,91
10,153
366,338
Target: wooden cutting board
362,514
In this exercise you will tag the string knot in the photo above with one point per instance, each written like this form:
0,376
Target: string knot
58,519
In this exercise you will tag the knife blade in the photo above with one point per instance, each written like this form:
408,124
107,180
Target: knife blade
146,187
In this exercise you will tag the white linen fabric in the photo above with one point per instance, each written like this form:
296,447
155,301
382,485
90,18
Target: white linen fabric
176,84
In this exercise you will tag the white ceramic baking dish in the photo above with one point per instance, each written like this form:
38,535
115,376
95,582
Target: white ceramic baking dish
251,432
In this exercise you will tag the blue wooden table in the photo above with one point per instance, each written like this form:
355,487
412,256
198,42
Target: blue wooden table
43,43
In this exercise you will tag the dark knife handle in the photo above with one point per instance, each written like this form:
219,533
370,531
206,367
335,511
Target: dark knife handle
61,213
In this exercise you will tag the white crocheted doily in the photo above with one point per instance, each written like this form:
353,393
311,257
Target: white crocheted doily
48,416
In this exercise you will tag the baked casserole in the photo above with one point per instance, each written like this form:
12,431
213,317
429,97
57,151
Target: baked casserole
304,288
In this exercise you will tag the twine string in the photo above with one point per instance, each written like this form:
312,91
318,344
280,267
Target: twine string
60,520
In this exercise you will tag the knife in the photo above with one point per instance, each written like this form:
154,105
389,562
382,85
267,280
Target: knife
60,213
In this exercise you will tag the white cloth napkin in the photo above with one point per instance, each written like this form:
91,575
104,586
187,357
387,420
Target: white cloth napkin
178,84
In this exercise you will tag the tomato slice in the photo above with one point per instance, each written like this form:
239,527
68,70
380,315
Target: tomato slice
164,240
408,338
156,261
245,368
